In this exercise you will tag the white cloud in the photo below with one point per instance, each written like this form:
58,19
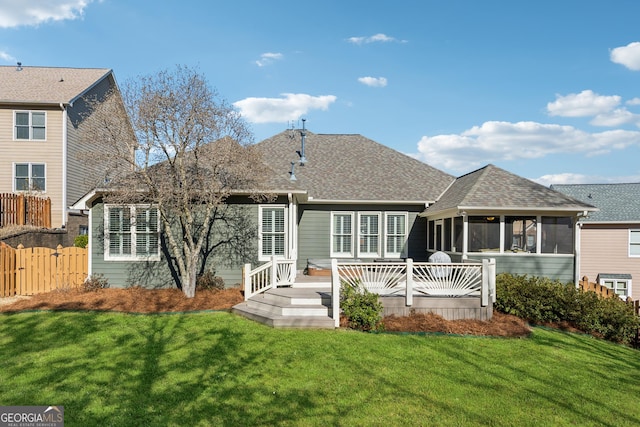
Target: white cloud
373,81
583,104
280,110
35,12
4,56
634,101
503,141
628,55
576,178
617,117
376,38
268,58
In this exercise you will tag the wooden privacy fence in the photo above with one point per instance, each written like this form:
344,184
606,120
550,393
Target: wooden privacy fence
21,209
29,271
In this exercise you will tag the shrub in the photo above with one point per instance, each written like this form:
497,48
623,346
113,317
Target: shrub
541,300
361,308
209,281
94,283
81,241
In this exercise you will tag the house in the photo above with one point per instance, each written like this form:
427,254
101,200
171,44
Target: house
348,197
44,132
609,239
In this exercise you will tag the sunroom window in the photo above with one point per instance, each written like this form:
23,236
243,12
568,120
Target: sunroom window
520,234
557,235
484,234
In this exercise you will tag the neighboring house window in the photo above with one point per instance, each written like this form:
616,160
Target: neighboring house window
132,233
272,232
29,177
557,235
520,234
395,234
30,125
634,242
369,238
484,234
342,234
619,286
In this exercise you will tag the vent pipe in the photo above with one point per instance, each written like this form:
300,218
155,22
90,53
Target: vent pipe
303,133
293,172
19,67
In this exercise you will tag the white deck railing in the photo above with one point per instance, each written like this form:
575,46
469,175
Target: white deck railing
407,279
274,273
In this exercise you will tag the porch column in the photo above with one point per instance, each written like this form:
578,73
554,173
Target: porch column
409,291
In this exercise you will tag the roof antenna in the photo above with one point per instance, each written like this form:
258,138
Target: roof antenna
293,172
19,67
303,133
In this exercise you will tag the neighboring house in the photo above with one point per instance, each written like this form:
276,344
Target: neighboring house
348,197
610,238
44,116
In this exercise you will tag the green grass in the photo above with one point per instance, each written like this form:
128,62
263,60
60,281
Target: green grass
207,369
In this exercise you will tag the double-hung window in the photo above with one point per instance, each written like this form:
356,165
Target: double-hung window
396,234
369,238
29,177
342,234
272,232
132,233
30,125
634,243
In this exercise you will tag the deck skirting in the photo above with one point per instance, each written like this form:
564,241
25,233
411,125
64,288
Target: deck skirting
449,308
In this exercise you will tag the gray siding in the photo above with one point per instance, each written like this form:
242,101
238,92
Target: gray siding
556,267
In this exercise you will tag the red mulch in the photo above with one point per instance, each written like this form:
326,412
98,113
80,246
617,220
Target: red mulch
139,300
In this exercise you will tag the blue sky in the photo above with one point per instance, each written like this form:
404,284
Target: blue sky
549,90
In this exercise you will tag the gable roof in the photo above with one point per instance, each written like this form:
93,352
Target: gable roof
47,85
617,202
494,189
351,168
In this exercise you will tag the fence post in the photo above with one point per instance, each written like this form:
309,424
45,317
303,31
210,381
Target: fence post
409,291
274,272
335,293
21,210
246,280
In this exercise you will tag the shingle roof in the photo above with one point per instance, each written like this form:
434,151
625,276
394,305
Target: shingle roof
352,168
47,85
492,187
617,202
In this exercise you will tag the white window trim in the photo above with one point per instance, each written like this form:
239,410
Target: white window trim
632,230
262,257
331,228
133,256
30,112
30,164
377,253
403,253
614,288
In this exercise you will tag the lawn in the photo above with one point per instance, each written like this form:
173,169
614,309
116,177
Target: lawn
214,368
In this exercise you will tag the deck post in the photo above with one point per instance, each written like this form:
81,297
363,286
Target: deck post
484,289
335,293
409,291
492,279
246,280
274,272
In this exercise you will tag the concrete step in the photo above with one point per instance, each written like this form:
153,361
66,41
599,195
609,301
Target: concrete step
285,309
296,296
283,321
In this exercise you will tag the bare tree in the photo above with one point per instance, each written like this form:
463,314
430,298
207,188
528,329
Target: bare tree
192,151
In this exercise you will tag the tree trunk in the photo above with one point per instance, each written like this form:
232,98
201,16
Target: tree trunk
189,281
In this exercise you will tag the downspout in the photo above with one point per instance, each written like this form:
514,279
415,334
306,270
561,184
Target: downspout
293,237
90,245
465,237
64,164
577,252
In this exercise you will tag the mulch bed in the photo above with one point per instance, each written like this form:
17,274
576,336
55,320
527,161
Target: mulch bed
139,300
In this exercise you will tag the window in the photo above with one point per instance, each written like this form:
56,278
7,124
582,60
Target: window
484,234
619,283
132,233
30,125
29,177
272,232
458,233
557,235
396,234
342,234
520,234
634,242
369,237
